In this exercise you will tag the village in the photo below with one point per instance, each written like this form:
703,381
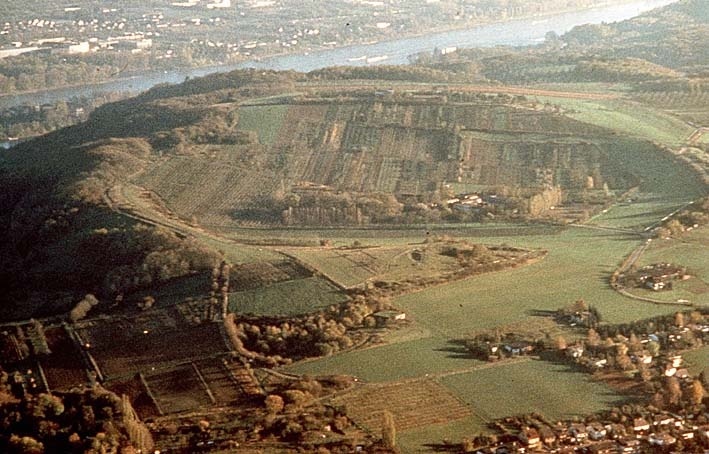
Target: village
668,413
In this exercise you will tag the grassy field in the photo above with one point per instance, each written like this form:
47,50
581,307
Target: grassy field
175,291
242,253
577,266
664,186
265,120
629,118
698,360
429,439
300,296
531,386
640,214
415,358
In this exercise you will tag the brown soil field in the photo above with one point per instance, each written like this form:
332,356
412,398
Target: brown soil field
125,346
64,368
178,389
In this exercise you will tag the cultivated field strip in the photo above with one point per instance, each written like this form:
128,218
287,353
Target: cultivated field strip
413,403
178,390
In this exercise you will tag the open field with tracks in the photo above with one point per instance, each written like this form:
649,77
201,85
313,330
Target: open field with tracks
294,297
577,266
350,267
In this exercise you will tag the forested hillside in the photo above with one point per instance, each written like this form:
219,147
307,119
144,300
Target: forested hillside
660,48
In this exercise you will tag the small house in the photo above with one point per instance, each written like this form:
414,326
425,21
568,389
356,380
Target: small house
547,435
644,358
386,318
663,439
578,432
655,284
596,431
616,431
663,420
575,351
605,447
704,432
530,437
676,360
629,444
682,374
640,425
518,348
687,434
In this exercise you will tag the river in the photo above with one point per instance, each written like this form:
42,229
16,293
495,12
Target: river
511,33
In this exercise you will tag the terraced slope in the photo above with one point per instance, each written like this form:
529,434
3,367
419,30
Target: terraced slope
338,156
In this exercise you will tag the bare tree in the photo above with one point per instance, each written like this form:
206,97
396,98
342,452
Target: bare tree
696,392
673,391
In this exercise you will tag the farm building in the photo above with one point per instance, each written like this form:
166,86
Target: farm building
385,318
660,276
518,348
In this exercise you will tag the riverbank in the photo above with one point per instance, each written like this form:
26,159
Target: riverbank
613,11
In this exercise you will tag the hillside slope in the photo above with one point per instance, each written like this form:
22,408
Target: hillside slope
666,47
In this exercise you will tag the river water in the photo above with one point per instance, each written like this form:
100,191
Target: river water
513,33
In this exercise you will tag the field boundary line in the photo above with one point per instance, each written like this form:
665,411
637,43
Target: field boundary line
150,394
204,383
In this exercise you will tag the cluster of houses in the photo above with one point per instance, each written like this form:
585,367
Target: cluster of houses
493,348
656,364
650,433
660,276
470,202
